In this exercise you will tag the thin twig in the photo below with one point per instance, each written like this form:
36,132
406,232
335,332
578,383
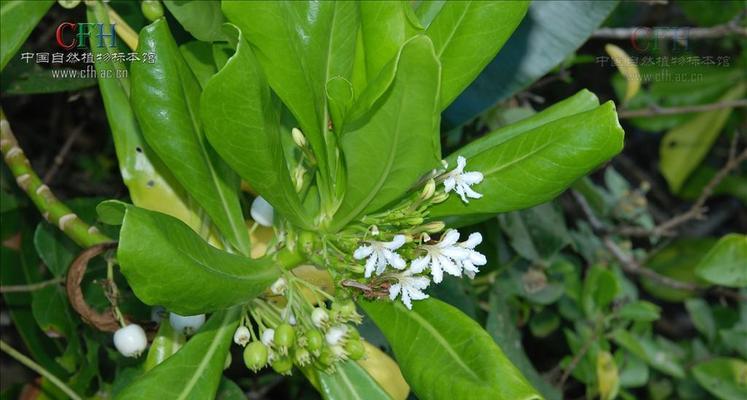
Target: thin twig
698,209
656,110
30,287
577,358
59,159
672,33
29,363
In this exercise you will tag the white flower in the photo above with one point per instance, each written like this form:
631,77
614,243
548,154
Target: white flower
130,340
409,288
279,286
474,258
268,337
242,336
319,317
262,211
460,181
336,334
381,254
452,257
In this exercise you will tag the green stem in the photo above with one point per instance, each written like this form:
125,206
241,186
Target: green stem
38,369
53,210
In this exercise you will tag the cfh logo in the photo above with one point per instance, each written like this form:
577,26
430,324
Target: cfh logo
678,36
81,31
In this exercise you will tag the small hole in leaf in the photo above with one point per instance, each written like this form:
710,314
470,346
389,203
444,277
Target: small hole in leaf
139,149
151,183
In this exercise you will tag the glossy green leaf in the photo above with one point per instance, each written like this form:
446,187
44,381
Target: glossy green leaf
199,57
548,34
388,150
54,248
52,312
702,317
242,123
723,377
350,382
194,372
444,354
661,359
536,165
466,36
166,343
677,260
149,183
640,311
501,326
166,263
724,264
165,97
229,390
385,26
600,288
19,19
685,146
301,46
203,19
20,77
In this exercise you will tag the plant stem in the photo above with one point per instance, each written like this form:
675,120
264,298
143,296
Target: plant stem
655,110
53,210
124,30
8,349
30,287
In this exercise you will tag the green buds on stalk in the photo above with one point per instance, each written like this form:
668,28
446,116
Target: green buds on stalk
255,356
355,349
314,341
282,365
285,338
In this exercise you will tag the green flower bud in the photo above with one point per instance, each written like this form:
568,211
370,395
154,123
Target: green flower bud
326,357
355,349
285,337
68,3
314,341
255,356
353,333
152,9
283,365
302,356
439,197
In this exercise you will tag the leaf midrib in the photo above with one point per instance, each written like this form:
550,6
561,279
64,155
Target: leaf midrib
453,31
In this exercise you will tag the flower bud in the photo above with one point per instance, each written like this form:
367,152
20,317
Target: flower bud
283,365
152,9
434,227
187,324
242,336
298,138
326,358
302,356
268,337
279,286
255,356
414,221
262,211
130,340
319,317
439,197
338,352
428,190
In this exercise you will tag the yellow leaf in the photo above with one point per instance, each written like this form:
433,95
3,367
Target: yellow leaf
385,372
607,376
628,69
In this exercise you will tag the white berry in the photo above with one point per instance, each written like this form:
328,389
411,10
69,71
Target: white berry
188,324
242,336
319,317
268,337
130,340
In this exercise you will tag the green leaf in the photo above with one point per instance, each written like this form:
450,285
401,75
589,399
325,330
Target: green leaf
640,311
301,46
242,123
149,183
166,263
350,381
387,151
678,261
661,359
503,329
536,165
165,97
194,372
54,248
20,18
21,77
166,343
702,317
385,26
550,32
229,390
685,146
199,57
607,376
723,377
52,312
203,19
466,36
444,354
600,288
724,264
537,233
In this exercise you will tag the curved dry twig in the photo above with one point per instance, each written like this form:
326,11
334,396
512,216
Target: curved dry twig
106,321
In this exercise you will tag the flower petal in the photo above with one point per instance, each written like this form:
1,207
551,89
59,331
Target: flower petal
471,178
449,239
362,252
472,241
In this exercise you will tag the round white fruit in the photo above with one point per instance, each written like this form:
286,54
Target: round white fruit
262,211
130,340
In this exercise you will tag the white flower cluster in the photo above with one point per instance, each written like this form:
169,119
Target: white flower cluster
447,255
